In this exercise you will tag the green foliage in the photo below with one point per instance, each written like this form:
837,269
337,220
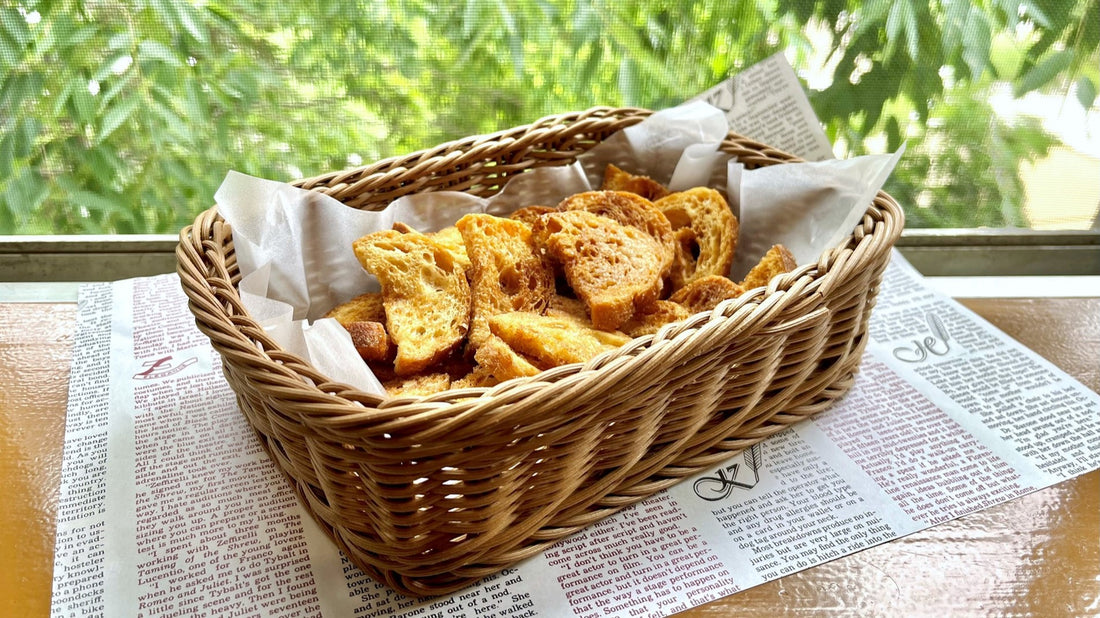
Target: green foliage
123,117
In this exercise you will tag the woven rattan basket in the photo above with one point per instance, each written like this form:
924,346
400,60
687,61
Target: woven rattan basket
428,495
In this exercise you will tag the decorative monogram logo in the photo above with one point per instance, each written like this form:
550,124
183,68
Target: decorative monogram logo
720,486
162,368
934,344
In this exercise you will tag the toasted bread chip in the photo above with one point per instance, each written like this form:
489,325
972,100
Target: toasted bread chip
568,307
530,214
502,362
363,308
420,385
704,293
371,340
709,246
777,260
615,269
615,179
425,294
508,272
549,341
655,316
448,238
628,209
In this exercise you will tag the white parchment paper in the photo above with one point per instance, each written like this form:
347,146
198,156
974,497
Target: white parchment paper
294,246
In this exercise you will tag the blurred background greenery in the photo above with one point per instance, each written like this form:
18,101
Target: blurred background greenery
124,116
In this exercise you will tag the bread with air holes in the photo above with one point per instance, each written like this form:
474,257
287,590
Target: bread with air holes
705,230
424,292
615,269
507,271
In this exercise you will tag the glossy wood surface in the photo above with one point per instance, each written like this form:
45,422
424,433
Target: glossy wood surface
1037,555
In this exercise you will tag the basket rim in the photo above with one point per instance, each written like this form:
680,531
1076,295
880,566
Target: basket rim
337,399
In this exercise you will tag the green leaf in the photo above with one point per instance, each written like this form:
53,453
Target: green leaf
1042,73
7,155
155,50
185,13
977,42
16,25
1086,92
95,202
115,117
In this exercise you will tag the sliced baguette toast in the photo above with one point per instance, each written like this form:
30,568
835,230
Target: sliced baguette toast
425,294
704,293
708,245
448,238
777,260
549,341
614,268
615,179
507,271
628,209
652,318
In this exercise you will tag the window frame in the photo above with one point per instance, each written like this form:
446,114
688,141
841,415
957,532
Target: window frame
933,252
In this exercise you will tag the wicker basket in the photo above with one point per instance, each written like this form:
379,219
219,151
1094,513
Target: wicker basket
428,495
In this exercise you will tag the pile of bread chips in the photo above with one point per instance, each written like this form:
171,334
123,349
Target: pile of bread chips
493,298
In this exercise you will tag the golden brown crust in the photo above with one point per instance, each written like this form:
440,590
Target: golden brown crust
632,210
420,385
425,294
615,179
363,308
777,260
655,316
507,272
615,269
704,293
530,214
549,341
708,245
448,238
371,340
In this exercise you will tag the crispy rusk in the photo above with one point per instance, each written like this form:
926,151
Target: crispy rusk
704,293
628,209
709,246
425,294
363,308
777,260
529,214
615,179
615,269
650,320
448,238
371,340
419,385
507,272
549,341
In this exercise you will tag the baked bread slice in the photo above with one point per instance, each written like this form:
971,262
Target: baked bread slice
363,308
424,292
448,238
549,341
615,269
419,385
371,340
530,214
507,271
708,244
628,209
704,293
777,260
652,318
615,179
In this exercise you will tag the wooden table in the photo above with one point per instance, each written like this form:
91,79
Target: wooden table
1037,555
